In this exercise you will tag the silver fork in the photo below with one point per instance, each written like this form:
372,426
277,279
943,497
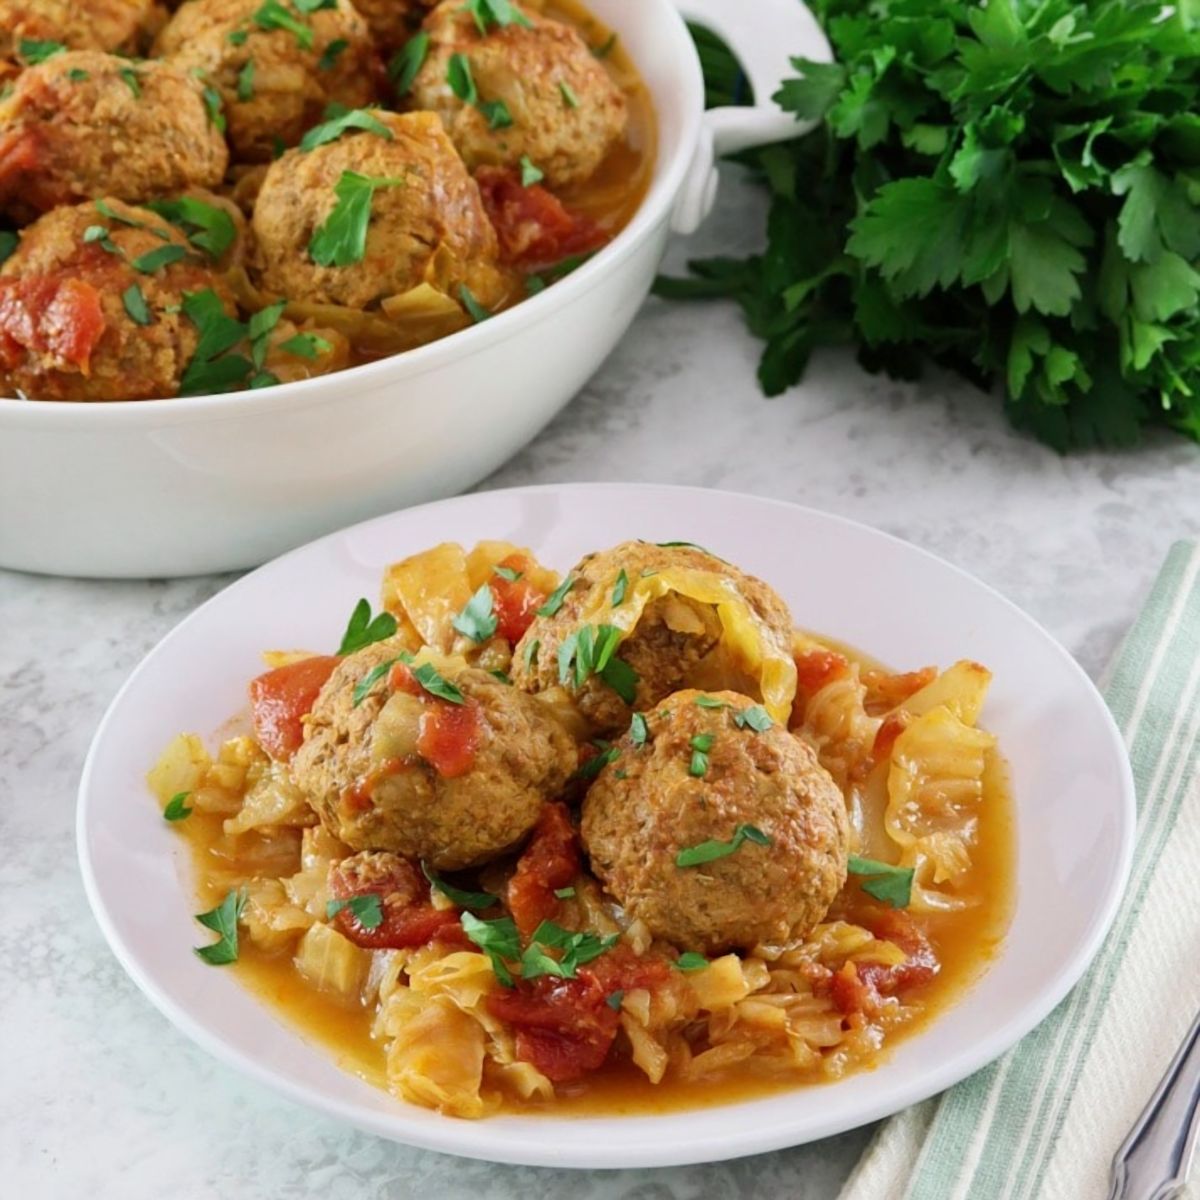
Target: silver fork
1154,1161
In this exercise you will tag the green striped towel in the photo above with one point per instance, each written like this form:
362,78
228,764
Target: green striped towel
1044,1121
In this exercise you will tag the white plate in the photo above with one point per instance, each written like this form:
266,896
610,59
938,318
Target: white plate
1070,777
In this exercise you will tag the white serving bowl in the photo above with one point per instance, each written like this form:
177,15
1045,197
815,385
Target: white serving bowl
1071,784
208,483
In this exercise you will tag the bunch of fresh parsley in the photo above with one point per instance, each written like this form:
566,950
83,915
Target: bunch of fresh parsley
1011,190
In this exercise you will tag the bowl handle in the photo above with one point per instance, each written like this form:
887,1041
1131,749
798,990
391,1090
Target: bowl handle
764,35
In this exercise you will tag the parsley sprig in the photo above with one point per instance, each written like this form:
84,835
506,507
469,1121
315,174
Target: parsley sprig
710,851
341,239
891,884
364,630
366,908
591,650
223,921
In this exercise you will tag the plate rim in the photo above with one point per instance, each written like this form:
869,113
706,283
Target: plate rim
447,1135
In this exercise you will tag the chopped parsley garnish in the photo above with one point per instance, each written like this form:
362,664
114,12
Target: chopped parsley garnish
223,921
701,744
331,54
555,600
353,118
564,893
577,949
215,107
686,546
613,1000
497,114
460,79
9,241
568,94
498,939
530,174
710,851
503,676
406,62
211,368
476,310
135,305
129,75
710,702
364,630
100,233
591,650
367,909
177,808
639,731
891,884
690,960
478,620
78,75
428,676
594,765
507,573
159,257
531,652
495,12
245,81
273,15
458,896
35,50
606,47
312,6
620,773
373,676
341,240
306,345
619,589
755,717
237,37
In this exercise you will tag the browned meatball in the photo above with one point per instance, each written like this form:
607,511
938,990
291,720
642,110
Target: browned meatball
85,123
426,220
696,775
671,641
563,109
80,24
68,299
276,67
403,770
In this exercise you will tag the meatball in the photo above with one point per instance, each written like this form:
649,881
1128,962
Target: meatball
80,24
426,218
668,645
563,109
78,321
276,68
454,784
84,123
699,775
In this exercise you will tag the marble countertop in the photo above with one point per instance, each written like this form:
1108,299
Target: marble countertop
99,1096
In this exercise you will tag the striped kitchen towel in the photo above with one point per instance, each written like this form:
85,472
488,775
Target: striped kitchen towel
1044,1121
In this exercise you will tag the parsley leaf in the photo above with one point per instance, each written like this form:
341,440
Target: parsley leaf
710,851
701,744
564,893
476,310
341,240
354,118
273,15
530,653
363,687
555,600
367,909
460,79
36,50
578,949
363,630
223,921
639,731
135,305
159,257
498,939
306,345
619,589
245,81
428,676
177,809
9,241
530,174
207,226
407,61
690,960
594,765
891,884
495,12
507,573
455,895
214,106
711,702
331,54
568,94
755,717
478,620
613,999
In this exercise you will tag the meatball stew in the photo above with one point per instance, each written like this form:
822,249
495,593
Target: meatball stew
333,182
617,841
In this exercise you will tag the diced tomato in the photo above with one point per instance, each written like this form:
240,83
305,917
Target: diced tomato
401,679
409,917
534,227
20,151
450,736
550,861
515,601
892,726
621,969
859,987
50,315
886,690
282,697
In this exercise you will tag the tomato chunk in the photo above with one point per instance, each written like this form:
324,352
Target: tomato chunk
515,601
409,917
550,861
450,736
860,987
815,669
282,697
890,728
535,229
58,317
20,151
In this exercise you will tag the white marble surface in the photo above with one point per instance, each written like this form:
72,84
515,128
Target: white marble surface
100,1097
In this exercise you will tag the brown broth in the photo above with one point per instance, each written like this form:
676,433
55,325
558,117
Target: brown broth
965,942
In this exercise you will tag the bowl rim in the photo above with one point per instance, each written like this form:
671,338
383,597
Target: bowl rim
493,1145
673,161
